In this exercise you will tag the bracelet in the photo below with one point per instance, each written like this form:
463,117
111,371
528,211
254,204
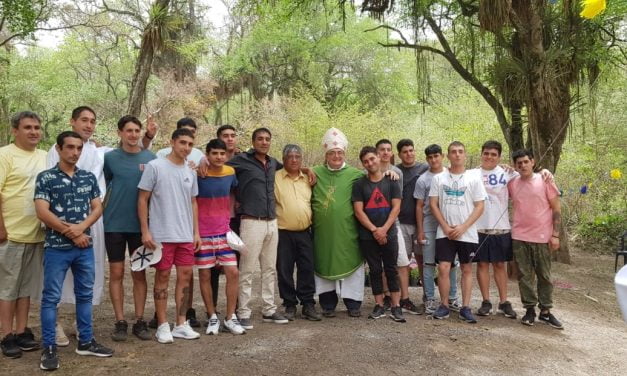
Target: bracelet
553,236
150,138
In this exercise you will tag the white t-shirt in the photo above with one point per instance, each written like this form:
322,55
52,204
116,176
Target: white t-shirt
195,156
172,187
495,213
421,192
457,194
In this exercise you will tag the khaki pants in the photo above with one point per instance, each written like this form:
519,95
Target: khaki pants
534,263
261,239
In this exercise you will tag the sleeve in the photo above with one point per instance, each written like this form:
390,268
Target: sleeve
42,191
510,187
279,165
357,194
234,182
194,185
551,190
162,153
235,162
52,158
478,192
419,190
95,189
107,169
5,169
434,190
395,190
149,178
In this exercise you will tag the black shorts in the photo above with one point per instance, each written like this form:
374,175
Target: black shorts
117,242
446,250
495,248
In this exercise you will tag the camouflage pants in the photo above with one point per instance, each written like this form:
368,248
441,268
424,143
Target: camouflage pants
534,270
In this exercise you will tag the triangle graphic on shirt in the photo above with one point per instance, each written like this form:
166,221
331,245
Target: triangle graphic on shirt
377,200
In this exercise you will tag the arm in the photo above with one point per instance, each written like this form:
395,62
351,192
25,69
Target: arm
310,174
3,230
554,243
74,230
358,208
142,212
396,208
151,132
197,241
420,217
434,204
458,231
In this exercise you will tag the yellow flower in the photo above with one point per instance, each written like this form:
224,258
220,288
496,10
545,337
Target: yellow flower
616,174
592,8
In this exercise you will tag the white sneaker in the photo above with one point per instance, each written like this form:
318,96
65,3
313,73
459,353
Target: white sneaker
163,333
185,331
233,326
61,339
214,325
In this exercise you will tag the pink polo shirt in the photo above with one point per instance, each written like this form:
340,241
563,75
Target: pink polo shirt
533,216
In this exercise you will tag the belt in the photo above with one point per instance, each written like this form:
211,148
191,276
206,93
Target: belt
244,216
493,232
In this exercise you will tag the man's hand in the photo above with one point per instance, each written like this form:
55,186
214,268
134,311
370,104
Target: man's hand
421,237
379,234
81,241
546,175
554,243
393,175
73,230
312,177
148,241
509,169
151,127
191,165
456,231
203,167
3,234
197,243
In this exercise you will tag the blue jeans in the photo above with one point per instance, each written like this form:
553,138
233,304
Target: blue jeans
56,264
428,257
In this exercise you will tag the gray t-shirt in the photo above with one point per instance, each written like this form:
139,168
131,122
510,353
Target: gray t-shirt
421,192
173,187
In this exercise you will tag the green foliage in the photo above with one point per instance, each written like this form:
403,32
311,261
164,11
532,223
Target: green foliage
20,15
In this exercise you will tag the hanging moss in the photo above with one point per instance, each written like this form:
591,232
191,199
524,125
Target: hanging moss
494,14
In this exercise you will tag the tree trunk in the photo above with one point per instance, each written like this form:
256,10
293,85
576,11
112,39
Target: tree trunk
517,141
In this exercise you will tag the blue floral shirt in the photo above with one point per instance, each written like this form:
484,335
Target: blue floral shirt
70,200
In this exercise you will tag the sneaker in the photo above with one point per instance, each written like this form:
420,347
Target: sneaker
377,312
276,318
354,313
431,305
549,319
49,360
309,312
529,317
397,314
185,331
163,334
486,308
290,312
153,323
9,346
245,323
214,325
60,338
26,341
408,306
140,330
465,314
94,348
190,316
387,302
120,331
506,309
234,326
442,312
454,305
328,313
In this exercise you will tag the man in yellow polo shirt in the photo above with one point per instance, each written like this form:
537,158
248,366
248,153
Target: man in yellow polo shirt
21,234
293,210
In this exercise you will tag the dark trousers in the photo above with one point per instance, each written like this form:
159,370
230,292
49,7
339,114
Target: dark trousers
215,272
375,255
295,248
328,301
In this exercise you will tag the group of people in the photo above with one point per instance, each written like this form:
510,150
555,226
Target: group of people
61,212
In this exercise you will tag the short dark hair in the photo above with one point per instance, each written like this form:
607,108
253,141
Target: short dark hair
216,143
433,149
492,145
15,120
404,142
366,150
455,143
78,110
521,154
182,132
186,122
128,119
63,135
261,130
224,128
381,142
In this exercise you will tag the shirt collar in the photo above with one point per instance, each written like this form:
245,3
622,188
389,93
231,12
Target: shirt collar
335,169
284,174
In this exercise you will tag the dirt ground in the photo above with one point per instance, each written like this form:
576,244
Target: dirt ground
594,341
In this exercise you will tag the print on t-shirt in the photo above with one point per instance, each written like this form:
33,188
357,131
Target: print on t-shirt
377,202
453,193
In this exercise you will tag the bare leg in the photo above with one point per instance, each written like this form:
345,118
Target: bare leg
403,278
162,277
181,294
444,285
500,277
483,278
116,288
232,289
140,290
204,278
396,298
21,314
466,283
7,313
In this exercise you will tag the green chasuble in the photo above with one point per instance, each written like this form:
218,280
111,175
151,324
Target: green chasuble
336,245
